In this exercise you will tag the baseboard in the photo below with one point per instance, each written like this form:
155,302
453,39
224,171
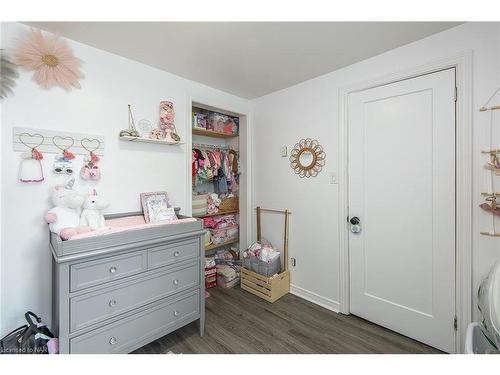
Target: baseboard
315,298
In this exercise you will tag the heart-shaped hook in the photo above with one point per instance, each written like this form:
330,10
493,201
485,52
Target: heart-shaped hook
36,139
63,143
90,145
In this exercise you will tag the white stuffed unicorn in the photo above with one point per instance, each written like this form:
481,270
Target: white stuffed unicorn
64,218
91,214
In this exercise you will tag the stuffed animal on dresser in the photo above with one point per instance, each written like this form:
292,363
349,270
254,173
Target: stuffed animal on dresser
91,214
64,218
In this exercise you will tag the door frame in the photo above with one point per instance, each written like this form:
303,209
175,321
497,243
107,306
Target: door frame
463,211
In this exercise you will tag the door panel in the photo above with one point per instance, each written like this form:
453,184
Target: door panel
402,187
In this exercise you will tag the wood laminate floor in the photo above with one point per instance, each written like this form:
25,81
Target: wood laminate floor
239,322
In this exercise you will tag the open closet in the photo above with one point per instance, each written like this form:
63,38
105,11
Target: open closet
219,189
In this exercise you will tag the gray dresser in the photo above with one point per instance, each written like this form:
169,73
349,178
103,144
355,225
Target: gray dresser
118,292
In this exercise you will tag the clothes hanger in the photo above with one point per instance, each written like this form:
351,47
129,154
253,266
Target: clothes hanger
494,163
492,108
492,207
209,146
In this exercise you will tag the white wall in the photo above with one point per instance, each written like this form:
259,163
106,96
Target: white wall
310,109
100,107
1,106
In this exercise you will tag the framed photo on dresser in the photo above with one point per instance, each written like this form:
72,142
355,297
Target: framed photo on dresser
156,207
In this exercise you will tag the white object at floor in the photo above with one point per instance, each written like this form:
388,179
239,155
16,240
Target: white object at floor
488,302
476,342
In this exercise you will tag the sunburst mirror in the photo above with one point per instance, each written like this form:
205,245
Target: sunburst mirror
307,158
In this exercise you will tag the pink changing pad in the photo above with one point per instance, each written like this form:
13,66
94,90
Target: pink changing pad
127,223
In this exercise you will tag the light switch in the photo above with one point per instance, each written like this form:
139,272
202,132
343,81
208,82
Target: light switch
284,151
333,178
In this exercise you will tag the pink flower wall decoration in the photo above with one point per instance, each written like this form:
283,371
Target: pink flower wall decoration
51,59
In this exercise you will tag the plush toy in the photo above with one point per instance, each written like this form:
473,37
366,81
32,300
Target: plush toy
64,218
171,136
156,134
91,214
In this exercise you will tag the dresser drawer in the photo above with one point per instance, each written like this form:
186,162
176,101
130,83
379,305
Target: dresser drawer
172,253
96,272
94,307
123,336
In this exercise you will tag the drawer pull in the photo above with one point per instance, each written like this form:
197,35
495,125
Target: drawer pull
176,282
176,313
176,254
112,341
112,303
112,269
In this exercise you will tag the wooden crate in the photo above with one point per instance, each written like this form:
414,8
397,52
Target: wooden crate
268,288
274,287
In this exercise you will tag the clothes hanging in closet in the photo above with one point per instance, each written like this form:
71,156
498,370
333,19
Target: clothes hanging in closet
221,167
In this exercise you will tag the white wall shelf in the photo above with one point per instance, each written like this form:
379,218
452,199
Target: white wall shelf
148,140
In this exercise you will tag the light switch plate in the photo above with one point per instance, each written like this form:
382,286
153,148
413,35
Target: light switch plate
333,178
284,151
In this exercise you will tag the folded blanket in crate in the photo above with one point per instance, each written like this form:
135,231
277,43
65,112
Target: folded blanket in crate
263,250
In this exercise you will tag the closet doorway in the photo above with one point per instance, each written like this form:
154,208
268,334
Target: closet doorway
401,157
206,136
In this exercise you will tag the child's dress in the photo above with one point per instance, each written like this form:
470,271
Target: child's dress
30,170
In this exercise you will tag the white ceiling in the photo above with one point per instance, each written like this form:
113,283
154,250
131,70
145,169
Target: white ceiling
246,59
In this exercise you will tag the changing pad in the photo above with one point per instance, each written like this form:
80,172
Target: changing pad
128,223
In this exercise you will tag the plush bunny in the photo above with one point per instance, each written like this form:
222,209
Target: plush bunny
91,214
64,218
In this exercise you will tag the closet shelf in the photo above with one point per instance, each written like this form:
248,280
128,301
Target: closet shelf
208,133
218,214
212,247
148,140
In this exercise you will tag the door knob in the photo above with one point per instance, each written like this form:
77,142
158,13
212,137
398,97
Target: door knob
355,227
354,220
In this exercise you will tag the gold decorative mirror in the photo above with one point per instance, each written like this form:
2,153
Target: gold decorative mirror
307,158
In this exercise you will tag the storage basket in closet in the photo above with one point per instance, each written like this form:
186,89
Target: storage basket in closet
229,204
200,205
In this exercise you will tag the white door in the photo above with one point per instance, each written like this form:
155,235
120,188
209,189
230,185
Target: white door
402,189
